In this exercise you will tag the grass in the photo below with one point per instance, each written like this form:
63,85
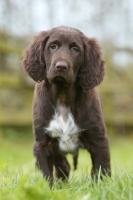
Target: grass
19,180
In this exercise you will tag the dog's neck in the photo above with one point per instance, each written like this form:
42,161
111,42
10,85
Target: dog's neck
62,94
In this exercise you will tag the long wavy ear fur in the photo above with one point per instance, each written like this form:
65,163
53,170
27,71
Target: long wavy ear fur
92,72
33,61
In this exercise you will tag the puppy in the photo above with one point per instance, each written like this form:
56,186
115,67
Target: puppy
67,113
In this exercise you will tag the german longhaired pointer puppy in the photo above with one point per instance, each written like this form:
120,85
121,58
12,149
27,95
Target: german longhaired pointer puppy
67,113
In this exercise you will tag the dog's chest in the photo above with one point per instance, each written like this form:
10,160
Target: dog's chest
63,127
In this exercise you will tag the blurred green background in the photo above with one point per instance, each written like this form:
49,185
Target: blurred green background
111,22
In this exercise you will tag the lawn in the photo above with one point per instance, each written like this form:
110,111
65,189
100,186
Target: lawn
20,181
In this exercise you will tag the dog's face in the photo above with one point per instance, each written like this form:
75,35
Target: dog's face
64,55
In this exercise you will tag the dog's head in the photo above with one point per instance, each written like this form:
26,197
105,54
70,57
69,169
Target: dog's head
64,54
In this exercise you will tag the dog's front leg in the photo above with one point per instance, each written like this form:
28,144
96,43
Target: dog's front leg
44,160
100,156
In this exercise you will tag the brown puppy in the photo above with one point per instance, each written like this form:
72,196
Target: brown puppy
67,112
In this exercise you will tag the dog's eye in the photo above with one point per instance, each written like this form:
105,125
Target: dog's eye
53,46
74,48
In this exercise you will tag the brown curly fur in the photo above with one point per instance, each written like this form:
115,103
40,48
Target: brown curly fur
67,66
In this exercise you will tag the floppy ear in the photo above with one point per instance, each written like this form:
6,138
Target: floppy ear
33,61
92,72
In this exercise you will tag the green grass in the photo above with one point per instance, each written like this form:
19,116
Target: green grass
20,181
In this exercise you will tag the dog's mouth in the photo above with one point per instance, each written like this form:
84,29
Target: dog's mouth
60,80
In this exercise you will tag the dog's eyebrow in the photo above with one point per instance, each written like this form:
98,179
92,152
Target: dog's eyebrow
54,40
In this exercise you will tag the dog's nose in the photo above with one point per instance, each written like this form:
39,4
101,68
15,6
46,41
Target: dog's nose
61,65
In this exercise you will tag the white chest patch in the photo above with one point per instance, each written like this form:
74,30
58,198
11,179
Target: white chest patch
63,127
